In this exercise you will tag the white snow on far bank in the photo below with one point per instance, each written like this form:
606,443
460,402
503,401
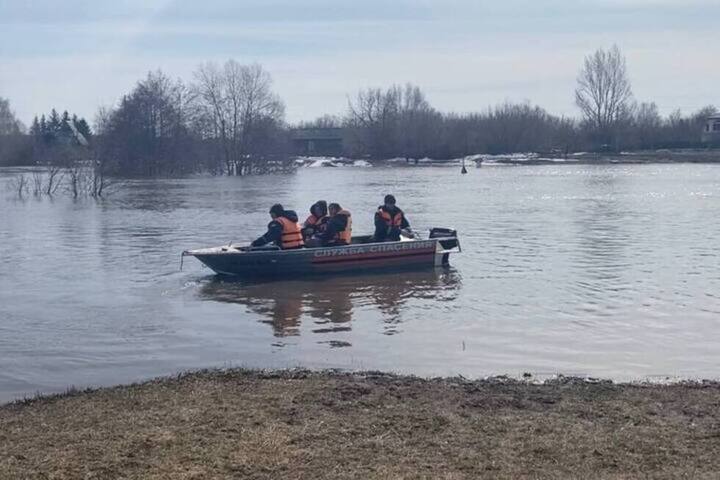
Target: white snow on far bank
317,162
468,161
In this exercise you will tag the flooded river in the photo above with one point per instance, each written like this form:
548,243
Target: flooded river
609,271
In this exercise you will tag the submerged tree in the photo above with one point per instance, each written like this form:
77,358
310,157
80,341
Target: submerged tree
604,94
9,124
395,121
372,119
148,133
15,149
238,112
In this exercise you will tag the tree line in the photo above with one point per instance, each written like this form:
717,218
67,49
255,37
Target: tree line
228,120
400,122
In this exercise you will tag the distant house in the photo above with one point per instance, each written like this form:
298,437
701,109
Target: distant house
68,135
318,141
711,132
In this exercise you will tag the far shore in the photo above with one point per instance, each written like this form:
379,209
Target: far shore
659,156
632,157
302,424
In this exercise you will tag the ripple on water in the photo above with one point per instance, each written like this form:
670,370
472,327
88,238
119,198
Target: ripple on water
606,270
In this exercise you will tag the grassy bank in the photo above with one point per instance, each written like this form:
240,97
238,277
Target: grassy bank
297,424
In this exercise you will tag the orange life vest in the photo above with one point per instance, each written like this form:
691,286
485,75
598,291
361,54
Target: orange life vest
291,233
346,235
317,222
391,221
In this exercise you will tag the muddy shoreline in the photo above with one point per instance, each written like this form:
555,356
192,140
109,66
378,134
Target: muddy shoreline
301,424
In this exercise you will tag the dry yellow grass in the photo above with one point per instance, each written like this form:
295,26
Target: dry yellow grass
298,424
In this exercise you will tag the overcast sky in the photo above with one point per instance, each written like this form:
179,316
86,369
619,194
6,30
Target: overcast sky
465,54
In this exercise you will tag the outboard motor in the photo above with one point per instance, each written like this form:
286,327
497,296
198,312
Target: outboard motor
449,234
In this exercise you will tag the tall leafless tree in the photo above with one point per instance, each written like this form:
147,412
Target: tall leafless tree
9,124
237,107
148,133
603,93
372,119
417,121
15,149
395,121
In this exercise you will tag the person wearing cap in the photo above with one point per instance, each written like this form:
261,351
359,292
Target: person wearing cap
389,221
283,231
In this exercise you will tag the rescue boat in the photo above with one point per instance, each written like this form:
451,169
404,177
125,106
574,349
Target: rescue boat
361,255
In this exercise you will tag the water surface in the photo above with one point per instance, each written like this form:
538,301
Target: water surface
609,271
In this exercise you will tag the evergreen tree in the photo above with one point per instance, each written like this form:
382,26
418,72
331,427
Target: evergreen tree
65,129
43,125
54,122
52,128
83,128
35,131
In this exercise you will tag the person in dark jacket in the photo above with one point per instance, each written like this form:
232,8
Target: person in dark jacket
339,227
317,221
389,221
283,231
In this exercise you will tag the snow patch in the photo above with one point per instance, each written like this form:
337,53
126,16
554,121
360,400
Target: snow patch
318,162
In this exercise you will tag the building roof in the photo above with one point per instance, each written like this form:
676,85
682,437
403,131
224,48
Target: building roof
714,117
334,133
79,137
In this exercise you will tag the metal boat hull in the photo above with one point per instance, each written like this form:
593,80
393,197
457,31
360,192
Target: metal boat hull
389,256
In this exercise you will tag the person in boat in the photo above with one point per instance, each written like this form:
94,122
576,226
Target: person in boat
339,227
317,221
283,231
390,221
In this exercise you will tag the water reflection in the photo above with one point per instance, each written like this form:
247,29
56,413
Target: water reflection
333,303
603,238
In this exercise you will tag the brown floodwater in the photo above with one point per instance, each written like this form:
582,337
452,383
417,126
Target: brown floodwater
609,271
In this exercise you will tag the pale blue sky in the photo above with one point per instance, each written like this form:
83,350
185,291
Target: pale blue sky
466,55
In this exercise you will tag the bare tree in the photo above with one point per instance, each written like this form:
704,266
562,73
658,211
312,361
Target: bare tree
15,146
399,121
37,183
101,163
47,181
148,133
417,122
522,127
603,93
239,106
9,124
18,185
76,174
373,119
646,125
681,131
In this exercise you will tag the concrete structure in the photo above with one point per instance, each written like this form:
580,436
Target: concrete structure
711,132
318,141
